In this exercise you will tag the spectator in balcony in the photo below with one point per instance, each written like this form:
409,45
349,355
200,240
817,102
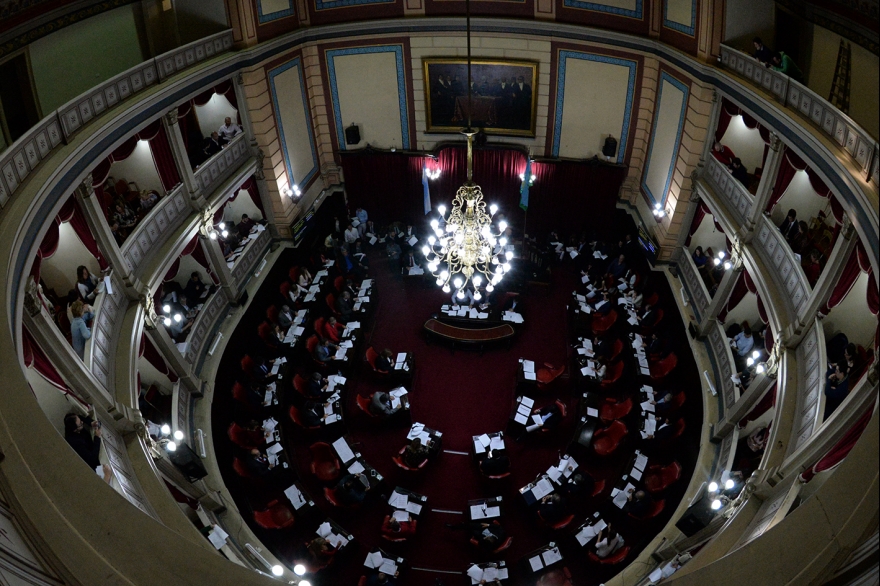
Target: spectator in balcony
245,226
762,52
784,64
79,331
117,235
78,433
123,216
350,236
723,153
813,269
789,224
86,284
700,258
148,199
213,144
836,388
743,343
195,289
800,239
229,129
739,171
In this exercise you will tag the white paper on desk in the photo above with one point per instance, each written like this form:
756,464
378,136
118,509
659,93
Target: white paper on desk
363,299
586,534
645,371
619,499
328,409
591,412
357,306
489,574
324,530
551,556
462,312
622,287
295,496
269,397
573,253
641,461
483,440
415,271
636,474
412,241
528,366
497,442
356,468
397,500
580,298
542,488
309,297
530,376
395,402
342,449
401,516
340,353
523,410
647,406
216,538
585,278
537,419
536,563
398,392
388,567
274,449
554,473
587,371
273,459
473,313
527,401
520,418
373,240
586,308
413,508
475,573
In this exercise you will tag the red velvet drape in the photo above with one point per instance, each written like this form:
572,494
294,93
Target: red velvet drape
154,357
34,356
251,187
84,233
728,111
847,279
164,160
701,212
387,185
764,405
742,286
790,164
201,257
226,89
841,449
188,120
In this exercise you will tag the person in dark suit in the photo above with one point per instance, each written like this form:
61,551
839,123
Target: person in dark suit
312,414
352,489
262,368
601,348
664,405
836,388
578,483
316,386
604,306
552,508
195,288
789,224
488,535
550,415
762,52
656,347
213,145
344,306
325,351
739,172
648,316
639,503
380,404
285,317
521,99
415,453
494,464
664,430
78,431
617,269
384,361
244,227
258,464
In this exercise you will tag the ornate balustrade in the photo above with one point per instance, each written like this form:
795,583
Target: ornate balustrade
694,284
216,169
723,358
206,323
100,352
155,229
736,197
784,268
244,266
810,399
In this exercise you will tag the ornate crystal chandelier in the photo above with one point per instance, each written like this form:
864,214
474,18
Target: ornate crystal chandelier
464,248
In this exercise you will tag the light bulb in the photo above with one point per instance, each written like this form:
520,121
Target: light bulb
506,267
477,280
460,294
426,250
224,233
729,484
212,234
451,227
299,569
477,296
457,282
432,266
493,208
171,446
167,321
713,486
438,232
177,317
756,354
435,224
442,209
304,583
178,435
532,178
750,361
165,429
502,241
502,225
444,274
490,288
166,308
431,240
508,255
446,288
277,570
717,262
658,206
459,237
494,260
760,368
721,254
716,504
522,176
222,225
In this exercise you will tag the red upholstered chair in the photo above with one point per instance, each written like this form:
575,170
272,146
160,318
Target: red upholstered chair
339,283
284,289
240,468
272,314
297,419
504,545
325,465
311,344
656,509
319,327
612,374
616,349
398,459
239,393
264,331
293,274
330,495
245,438
602,323
611,409
653,300
598,487
364,404
399,537
677,401
662,368
299,383
362,581
370,359
607,440
247,365
561,524
331,303
615,558
659,478
276,516
648,328
548,374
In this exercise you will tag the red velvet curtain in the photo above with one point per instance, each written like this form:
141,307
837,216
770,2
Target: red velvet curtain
154,357
188,121
84,233
764,405
387,185
701,212
841,449
227,89
164,160
251,187
847,279
728,111
791,164
200,257
742,286
34,356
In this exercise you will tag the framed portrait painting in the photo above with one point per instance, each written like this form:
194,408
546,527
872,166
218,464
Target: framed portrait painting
503,96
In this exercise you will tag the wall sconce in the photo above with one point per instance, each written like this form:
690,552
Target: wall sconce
292,193
658,211
220,231
167,441
722,259
169,317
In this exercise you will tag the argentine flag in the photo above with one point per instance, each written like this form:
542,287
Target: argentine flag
427,191
524,188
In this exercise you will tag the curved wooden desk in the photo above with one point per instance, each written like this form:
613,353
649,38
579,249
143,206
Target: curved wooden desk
471,336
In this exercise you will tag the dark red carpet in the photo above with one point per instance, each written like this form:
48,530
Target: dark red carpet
460,394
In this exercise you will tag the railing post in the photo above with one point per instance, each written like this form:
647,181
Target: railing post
215,257
97,222
181,160
765,187
843,248
722,294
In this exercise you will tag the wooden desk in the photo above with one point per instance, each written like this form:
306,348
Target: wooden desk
469,336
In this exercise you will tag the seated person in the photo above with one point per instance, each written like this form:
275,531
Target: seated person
664,404
797,237
552,508
814,268
617,269
195,288
415,453
578,483
601,348
345,306
255,395
550,416
723,153
78,431
789,224
409,261
398,529
325,351
601,369
512,303
700,258
762,52
494,464
245,226
352,489
304,279
349,266
608,541
118,236
636,297
86,284
359,254
639,503
213,144
316,386
79,331
312,413
743,343
664,429
285,318
656,347
488,535
392,251
380,404
332,330
148,199
321,551
836,388
739,172
382,579
258,464
648,316
467,299
385,360
229,129
123,216
605,305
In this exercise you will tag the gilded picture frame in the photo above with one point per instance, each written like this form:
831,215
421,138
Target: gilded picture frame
499,105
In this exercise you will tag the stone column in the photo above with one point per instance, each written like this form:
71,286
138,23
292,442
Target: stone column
747,401
181,160
165,345
765,188
218,265
243,20
722,295
97,221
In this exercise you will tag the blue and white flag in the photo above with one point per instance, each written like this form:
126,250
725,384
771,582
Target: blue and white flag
427,194
524,188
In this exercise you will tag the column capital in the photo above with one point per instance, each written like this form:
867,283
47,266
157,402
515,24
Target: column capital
32,298
847,229
151,318
775,141
170,117
86,188
239,78
715,96
260,156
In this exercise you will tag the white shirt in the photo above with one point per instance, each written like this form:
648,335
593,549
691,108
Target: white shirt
351,235
605,548
227,131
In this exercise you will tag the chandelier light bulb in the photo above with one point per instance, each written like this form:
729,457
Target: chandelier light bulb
493,208
224,233
727,265
756,354
177,317
212,234
508,255
716,504
442,209
277,570
171,446
304,583
502,241
166,308
494,260
165,429
432,266
729,484
760,368
178,435
457,282
750,361
431,240
490,288
460,294
713,486
717,261
506,267
426,250
222,225
299,569
477,280
658,206
502,225
438,232
444,275
446,288
721,254
435,224
477,296
459,237
167,321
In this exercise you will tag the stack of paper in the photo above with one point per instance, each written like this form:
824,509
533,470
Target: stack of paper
340,353
356,467
588,532
620,496
497,442
542,488
353,325
588,371
398,500
481,442
415,271
398,392
551,556
592,412
217,536
641,461
484,512
343,450
295,496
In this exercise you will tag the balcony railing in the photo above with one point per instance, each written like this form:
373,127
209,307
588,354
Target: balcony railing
852,139
734,194
784,267
100,350
699,295
723,357
149,235
214,308
216,169
246,263
810,403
